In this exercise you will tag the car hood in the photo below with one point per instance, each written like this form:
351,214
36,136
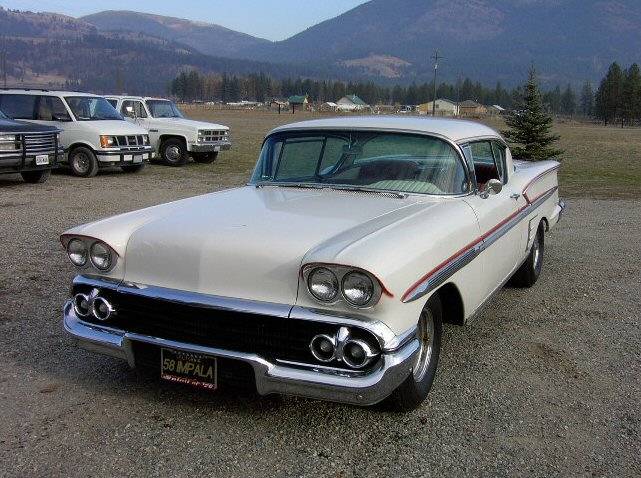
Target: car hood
246,243
188,124
112,127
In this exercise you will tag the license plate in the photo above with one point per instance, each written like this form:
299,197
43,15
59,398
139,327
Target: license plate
189,368
42,159
138,158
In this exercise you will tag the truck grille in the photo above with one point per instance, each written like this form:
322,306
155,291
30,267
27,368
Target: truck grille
40,143
267,336
211,136
134,140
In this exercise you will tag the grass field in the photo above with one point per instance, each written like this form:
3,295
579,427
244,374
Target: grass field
598,161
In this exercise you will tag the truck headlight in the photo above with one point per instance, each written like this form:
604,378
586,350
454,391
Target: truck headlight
107,141
8,142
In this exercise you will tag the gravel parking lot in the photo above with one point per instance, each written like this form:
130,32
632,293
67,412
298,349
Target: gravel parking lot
545,383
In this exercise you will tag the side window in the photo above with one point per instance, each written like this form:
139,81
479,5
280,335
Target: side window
485,167
51,108
112,102
18,106
137,109
499,156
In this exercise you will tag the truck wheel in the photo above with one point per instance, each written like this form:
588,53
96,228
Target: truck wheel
205,158
411,393
83,162
133,169
173,152
530,270
36,176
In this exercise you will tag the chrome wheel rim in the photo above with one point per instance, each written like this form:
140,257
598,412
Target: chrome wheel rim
425,337
81,162
173,153
536,254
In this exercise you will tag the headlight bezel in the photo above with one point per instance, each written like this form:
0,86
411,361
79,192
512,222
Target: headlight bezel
90,246
342,272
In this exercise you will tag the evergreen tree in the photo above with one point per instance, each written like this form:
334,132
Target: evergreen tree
632,94
568,102
587,100
530,125
609,97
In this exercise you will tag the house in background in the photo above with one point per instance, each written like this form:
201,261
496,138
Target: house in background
495,110
329,106
299,102
471,108
443,107
351,103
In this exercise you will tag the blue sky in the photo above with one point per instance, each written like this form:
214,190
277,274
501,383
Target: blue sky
271,19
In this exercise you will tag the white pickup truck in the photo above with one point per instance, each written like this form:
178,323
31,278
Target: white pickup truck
173,136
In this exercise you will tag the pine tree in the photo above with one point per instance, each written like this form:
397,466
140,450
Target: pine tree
530,125
587,100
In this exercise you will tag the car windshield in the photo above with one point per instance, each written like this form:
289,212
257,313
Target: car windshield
92,108
398,162
163,109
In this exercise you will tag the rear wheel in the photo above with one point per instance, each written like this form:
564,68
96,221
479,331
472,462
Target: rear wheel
83,162
205,158
173,152
530,270
36,176
411,393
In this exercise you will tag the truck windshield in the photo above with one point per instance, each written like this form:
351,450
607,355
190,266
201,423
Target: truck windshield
363,160
163,109
92,108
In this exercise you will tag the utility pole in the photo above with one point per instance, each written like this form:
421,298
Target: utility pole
436,58
4,60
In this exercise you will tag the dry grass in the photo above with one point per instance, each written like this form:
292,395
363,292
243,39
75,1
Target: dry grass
599,161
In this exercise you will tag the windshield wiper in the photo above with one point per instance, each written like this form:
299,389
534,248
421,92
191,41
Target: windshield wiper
397,194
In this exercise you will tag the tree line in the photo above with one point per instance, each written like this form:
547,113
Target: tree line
618,98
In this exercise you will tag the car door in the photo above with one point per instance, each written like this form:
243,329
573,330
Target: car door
496,213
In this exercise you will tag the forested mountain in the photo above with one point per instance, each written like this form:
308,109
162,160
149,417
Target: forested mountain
206,38
488,40
52,51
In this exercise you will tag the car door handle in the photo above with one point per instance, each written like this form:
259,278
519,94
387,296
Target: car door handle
515,196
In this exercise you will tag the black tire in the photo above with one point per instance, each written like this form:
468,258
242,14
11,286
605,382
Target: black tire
36,176
133,169
411,393
83,162
205,158
530,270
173,152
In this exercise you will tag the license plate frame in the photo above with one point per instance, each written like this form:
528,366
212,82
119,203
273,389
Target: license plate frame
42,159
197,370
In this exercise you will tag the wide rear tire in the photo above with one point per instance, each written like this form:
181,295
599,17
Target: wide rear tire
530,270
35,177
205,158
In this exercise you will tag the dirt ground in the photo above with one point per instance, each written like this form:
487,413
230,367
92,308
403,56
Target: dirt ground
545,383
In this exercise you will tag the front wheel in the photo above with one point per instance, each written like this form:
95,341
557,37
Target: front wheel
205,158
35,177
411,393
530,270
83,162
173,152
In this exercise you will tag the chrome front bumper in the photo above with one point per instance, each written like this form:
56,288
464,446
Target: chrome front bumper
364,389
210,147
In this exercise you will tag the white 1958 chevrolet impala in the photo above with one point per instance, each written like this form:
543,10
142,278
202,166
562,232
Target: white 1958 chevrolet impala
331,273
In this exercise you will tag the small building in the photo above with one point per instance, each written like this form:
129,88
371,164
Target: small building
351,103
495,110
329,106
442,107
298,102
472,108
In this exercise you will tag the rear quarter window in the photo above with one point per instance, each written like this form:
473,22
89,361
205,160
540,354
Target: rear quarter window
18,106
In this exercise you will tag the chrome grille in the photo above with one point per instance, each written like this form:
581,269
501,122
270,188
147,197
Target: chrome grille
134,140
40,143
211,136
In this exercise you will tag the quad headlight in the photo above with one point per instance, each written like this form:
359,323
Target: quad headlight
78,252
323,284
83,251
335,283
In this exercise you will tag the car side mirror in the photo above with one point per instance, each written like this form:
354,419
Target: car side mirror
493,186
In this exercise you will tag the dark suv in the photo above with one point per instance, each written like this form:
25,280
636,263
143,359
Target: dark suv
29,149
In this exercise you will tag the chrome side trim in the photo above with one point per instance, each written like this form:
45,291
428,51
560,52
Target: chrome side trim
443,272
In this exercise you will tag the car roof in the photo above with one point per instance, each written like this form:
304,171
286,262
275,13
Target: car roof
454,129
46,92
135,97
